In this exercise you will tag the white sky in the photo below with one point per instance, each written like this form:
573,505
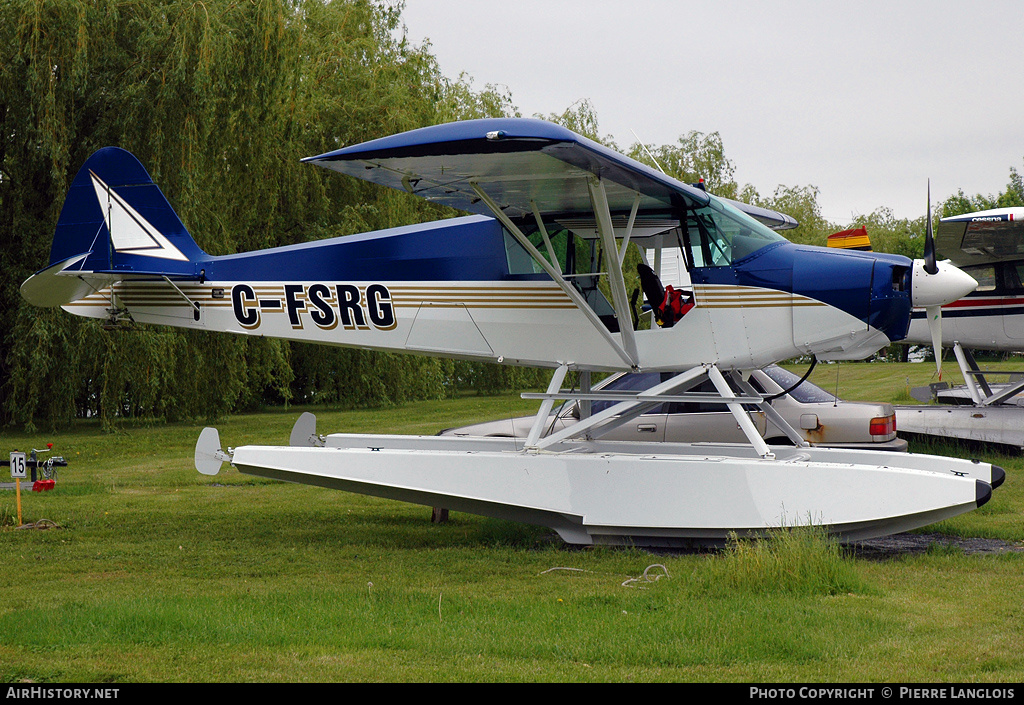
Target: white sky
864,99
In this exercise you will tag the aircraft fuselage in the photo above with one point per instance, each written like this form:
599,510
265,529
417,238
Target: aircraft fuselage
457,287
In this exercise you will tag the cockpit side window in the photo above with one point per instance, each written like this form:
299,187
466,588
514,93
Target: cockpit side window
985,275
572,253
719,235
1014,276
578,259
519,260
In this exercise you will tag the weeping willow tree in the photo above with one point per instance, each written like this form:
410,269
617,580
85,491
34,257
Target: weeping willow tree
219,99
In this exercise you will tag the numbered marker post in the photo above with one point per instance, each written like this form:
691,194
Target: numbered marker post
18,472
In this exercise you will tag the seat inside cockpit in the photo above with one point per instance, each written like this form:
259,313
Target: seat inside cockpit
584,264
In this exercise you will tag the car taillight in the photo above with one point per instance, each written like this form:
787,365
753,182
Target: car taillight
883,425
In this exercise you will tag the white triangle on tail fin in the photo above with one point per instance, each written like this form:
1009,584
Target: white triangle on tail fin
130,232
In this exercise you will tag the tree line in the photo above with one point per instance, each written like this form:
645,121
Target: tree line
220,100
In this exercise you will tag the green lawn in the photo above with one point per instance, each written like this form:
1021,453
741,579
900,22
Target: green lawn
892,382
160,574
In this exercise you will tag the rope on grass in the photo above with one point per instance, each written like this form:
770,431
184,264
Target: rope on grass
578,570
41,524
646,578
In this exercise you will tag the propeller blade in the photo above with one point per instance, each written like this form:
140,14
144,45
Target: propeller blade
929,240
933,286
935,283
934,314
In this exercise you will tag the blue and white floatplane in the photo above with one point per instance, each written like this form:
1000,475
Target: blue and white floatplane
534,276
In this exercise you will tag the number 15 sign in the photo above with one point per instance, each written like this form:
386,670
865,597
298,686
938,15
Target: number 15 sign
18,466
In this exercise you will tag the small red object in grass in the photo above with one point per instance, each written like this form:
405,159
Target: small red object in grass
43,485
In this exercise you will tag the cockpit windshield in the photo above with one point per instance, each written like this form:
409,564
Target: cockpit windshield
718,235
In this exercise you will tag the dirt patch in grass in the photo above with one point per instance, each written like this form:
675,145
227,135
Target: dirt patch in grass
887,547
909,544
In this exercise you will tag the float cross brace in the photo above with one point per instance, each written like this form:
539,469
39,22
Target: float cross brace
632,404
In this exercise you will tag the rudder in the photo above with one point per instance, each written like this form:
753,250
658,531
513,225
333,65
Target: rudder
114,202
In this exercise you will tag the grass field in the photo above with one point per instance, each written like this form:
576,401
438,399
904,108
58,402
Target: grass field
159,574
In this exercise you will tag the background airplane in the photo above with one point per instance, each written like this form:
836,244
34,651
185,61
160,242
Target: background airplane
988,245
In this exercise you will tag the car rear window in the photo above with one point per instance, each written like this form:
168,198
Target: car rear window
640,381
631,382
806,392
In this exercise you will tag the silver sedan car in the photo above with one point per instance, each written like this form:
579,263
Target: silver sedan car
819,417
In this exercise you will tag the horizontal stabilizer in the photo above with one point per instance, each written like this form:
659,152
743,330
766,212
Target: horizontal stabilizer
61,283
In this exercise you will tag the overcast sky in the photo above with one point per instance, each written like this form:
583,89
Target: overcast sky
864,100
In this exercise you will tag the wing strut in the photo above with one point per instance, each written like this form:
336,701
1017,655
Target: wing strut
629,230
544,233
545,406
569,290
606,231
715,375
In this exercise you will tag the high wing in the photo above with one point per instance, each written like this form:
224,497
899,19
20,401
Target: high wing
526,166
982,237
